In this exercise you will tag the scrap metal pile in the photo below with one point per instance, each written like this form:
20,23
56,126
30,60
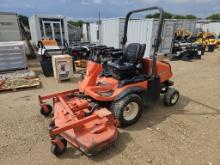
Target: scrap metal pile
18,79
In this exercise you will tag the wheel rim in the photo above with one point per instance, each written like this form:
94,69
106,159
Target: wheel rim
174,98
130,111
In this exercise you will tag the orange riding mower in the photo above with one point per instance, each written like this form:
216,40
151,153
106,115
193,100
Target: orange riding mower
87,118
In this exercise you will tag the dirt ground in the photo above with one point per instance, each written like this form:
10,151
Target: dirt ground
187,134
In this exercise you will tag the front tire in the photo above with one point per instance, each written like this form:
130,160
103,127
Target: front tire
127,110
171,97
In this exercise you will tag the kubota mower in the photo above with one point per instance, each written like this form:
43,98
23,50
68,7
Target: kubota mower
87,118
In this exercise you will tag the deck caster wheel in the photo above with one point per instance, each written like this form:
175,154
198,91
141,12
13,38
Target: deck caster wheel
58,146
171,97
46,110
127,110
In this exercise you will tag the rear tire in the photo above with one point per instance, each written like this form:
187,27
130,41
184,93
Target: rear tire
171,97
127,110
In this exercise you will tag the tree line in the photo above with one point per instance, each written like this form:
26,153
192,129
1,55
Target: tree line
168,15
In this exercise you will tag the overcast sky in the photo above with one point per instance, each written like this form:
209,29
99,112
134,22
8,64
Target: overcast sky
88,9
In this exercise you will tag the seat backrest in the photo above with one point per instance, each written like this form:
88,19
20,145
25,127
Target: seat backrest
134,52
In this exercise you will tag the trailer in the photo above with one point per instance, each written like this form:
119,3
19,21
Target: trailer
48,27
212,27
12,56
91,32
85,33
187,24
9,27
14,41
74,33
94,32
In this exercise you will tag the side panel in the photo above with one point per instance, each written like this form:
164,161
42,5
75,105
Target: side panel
139,31
187,24
85,32
121,31
212,27
9,28
12,56
94,32
35,29
110,32
163,69
74,33
167,36
65,27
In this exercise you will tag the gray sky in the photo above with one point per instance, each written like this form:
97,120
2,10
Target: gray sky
88,9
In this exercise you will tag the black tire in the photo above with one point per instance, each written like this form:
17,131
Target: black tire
118,108
171,97
47,111
211,48
56,150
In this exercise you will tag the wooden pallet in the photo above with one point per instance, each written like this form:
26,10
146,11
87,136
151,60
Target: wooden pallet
37,84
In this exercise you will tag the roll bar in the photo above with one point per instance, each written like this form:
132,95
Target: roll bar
158,36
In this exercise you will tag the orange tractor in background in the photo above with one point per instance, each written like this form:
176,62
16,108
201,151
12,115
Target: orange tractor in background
88,117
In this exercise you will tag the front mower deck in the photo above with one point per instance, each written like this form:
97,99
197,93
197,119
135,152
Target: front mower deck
73,120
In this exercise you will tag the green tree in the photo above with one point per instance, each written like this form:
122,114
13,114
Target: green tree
190,16
78,23
214,16
167,15
24,19
178,17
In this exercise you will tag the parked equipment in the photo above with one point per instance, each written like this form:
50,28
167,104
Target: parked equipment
49,47
80,53
87,117
62,67
79,50
184,48
208,40
46,49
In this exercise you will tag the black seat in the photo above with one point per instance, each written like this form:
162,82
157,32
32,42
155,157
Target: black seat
129,65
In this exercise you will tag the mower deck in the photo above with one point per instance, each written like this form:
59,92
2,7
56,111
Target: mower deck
73,120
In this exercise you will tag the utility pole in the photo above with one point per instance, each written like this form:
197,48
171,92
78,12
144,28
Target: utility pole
99,26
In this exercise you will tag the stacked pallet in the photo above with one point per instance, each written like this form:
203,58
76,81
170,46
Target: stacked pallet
18,79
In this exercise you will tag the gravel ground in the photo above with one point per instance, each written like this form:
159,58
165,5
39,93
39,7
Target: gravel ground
188,133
